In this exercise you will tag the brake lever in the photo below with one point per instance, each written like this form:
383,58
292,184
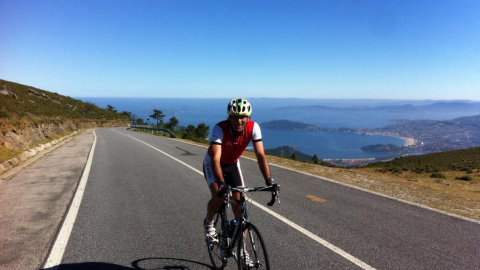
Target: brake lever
275,194
228,196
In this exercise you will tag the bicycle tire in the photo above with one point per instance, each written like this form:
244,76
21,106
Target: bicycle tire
255,246
215,251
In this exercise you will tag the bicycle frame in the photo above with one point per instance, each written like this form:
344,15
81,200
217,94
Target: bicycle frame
227,243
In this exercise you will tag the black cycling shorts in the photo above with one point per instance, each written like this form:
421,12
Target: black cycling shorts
232,173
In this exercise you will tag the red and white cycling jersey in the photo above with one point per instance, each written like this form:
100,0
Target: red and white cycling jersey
233,146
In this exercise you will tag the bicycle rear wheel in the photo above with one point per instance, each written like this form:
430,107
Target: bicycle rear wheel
251,243
215,250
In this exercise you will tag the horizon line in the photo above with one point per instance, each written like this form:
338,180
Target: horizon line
299,98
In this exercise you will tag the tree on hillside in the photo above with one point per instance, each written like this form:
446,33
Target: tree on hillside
158,115
172,123
133,118
201,131
189,132
196,133
110,108
90,107
139,121
293,155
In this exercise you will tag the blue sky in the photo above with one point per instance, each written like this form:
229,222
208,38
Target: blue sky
409,49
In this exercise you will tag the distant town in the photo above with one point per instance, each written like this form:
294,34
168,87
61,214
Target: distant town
423,136
432,136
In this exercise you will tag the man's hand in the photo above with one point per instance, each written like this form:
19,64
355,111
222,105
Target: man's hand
222,189
269,182
275,191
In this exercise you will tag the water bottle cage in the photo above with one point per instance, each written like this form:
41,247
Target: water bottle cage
232,227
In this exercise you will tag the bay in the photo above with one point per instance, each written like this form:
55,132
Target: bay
328,145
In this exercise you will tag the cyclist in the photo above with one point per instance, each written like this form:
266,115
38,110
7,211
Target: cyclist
221,165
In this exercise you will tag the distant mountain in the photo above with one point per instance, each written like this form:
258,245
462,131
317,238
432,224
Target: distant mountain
453,106
287,151
288,125
469,120
318,108
444,106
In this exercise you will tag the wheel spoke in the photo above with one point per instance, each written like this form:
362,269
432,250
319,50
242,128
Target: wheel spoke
215,250
253,247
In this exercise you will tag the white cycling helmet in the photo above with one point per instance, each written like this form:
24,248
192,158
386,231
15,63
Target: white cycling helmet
239,106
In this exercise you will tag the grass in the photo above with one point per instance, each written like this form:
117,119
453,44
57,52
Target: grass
465,160
6,153
447,194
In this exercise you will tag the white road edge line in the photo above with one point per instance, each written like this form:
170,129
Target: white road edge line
314,237
56,254
378,194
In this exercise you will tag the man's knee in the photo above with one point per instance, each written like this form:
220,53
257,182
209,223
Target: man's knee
216,200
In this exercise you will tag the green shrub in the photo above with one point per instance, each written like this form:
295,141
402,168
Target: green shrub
396,170
438,175
465,178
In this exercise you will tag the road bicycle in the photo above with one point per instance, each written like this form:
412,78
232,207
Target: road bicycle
241,241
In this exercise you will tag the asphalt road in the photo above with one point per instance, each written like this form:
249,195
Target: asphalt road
145,200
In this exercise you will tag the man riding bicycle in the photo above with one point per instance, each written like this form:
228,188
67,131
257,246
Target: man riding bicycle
221,165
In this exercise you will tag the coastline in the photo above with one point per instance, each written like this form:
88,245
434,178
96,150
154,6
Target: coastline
408,141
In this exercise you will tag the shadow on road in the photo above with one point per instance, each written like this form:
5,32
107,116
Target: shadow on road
141,264
89,265
168,263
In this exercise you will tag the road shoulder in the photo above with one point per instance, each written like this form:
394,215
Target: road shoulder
34,200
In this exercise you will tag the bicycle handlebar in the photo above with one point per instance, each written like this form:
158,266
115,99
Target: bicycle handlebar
275,188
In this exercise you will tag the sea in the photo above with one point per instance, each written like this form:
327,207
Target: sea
327,113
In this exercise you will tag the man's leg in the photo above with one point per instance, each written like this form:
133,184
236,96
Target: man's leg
214,203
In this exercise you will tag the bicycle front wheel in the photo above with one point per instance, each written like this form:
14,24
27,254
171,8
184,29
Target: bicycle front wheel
252,252
216,251
217,256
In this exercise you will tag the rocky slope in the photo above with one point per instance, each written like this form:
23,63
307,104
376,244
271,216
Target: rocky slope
32,119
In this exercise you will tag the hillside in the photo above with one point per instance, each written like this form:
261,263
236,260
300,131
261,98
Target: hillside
286,151
288,125
465,160
29,116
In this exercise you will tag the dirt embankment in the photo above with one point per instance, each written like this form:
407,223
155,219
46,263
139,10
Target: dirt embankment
18,139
